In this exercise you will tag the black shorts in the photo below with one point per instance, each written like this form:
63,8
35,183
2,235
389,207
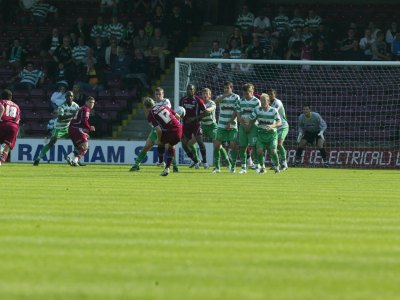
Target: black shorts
311,137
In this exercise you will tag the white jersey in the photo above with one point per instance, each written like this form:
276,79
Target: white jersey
281,110
163,102
210,118
65,110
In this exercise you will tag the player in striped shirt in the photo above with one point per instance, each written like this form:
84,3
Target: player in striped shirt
227,131
267,137
209,125
282,130
247,130
311,130
152,138
65,113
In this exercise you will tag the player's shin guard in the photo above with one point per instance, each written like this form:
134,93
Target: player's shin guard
282,153
160,153
170,156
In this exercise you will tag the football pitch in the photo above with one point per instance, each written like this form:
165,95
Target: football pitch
101,232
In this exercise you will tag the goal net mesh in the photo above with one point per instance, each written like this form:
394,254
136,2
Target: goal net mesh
360,102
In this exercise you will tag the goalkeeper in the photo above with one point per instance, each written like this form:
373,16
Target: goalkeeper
311,131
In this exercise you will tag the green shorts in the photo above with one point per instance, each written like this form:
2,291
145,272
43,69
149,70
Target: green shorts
210,131
226,135
247,138
282,133
60,133
267,140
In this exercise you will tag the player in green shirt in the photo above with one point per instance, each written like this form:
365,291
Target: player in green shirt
268,120
227,126
65,113
209,127
247,130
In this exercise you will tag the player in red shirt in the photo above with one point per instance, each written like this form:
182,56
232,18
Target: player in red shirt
10,116
168,128
78,132
192,133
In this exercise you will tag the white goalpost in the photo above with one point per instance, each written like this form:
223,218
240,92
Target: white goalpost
359,100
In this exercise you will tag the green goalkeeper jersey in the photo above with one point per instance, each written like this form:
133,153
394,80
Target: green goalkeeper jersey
226,108
65,110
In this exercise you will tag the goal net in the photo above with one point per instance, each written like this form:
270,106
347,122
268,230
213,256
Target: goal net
360,101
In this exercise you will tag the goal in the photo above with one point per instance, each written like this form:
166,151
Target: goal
360,101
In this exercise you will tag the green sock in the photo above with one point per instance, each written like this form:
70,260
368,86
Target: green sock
44,151
174,163
234,157
224,154
261,159
140,157
275,159
217,158
282,153
193,149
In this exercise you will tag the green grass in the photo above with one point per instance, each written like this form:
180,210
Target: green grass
101,232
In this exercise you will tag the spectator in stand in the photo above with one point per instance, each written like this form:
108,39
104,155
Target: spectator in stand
245,21
238,36
149,29
297,21
313,20
307,52
266,43
93,80
63,53
255,50
139,68
141,42
323,34
109,7
191,14
216,51
234,51
349,47
40,11
373,28
366,44
15,55
396,46
73,39
79,52
159,47
99,53
29,78
158,18
177,29
112,52
322,52
261,23
120,66
128,35
79,97
296,37
99,30
61,76
306,33
281,24
391,32
58,97
51,42
81,29
115,29
294,51
379,48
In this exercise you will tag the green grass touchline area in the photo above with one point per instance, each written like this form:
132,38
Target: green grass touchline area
101,232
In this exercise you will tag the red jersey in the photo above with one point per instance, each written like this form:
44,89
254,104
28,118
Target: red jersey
193,106
164,117
11,114
81,119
